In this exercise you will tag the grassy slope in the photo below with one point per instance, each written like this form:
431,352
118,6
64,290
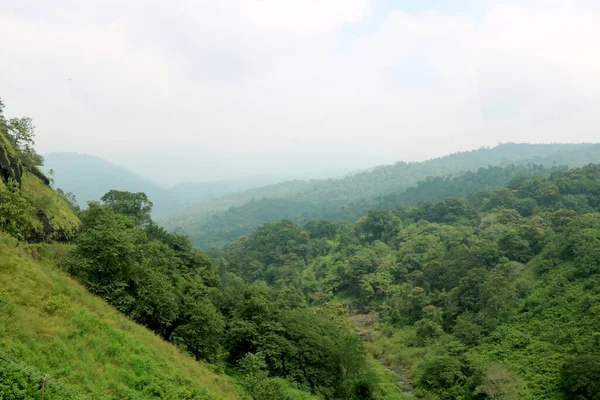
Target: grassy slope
54,206
51,324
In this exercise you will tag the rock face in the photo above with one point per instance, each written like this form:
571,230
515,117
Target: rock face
10,165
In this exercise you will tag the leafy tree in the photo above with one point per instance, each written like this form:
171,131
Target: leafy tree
500,384
21,134
378,225
135,205
108,250
580,378
443,374
201,329
256,379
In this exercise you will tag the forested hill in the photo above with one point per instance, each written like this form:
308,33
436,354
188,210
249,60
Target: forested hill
496,295
217,222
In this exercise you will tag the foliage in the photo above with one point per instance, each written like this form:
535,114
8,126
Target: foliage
494,301
580,378
30,208
21,134
134,205
499,383
217,222
14,210
87,348
159,280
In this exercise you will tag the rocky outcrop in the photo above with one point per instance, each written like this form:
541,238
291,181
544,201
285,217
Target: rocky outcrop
10,164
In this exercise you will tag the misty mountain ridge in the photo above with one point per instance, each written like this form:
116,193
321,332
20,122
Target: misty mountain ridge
215,222
89,177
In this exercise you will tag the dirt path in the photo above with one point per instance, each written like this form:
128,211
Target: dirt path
364,325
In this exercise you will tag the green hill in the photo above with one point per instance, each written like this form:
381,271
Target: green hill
214,223
50,325
51,328
493,295
102,303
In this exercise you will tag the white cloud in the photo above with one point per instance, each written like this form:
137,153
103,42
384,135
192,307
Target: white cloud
210,79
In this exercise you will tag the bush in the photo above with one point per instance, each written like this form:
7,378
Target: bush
442,372
427,331
500,383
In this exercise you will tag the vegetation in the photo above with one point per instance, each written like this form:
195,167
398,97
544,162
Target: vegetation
491,292
49,324
485,296
215,223
269,333
29,208
266,337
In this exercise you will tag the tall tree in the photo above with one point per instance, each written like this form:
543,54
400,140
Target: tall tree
135,205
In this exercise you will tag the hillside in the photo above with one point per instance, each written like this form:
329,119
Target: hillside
63,339
214,223
494,295
50,325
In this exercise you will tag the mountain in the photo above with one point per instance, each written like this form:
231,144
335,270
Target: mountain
89,178
216,222
449,293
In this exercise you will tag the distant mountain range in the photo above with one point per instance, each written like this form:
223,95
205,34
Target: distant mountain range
89,178
213,214
215,222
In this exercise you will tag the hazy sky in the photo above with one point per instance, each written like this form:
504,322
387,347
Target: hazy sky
207,89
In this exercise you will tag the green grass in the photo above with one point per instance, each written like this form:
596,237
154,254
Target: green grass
43,197
49,324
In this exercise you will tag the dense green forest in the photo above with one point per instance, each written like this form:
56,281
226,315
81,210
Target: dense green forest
494,295
261,341
482,285
215,223
218,229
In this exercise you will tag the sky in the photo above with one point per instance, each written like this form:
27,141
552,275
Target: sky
196,90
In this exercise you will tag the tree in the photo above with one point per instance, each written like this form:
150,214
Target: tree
201,330
256,379
21,134
135,205
378,225
108,248
442,373
580,378
500,384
